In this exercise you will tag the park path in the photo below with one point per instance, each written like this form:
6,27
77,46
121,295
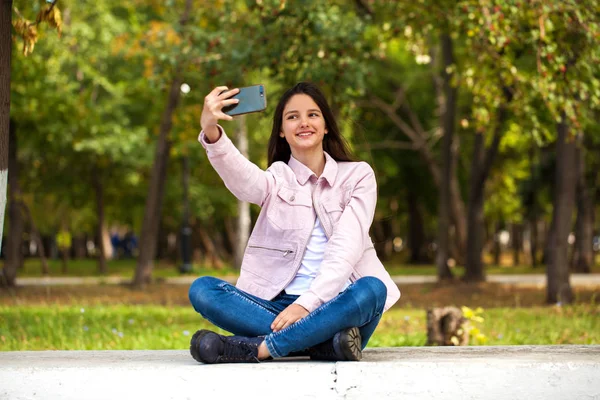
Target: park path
578,280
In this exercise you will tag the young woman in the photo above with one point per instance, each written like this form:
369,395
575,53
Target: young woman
310,281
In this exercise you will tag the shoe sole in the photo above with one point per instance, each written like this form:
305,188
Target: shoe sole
351,344
194,344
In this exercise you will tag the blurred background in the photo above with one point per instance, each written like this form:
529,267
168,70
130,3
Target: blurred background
480,118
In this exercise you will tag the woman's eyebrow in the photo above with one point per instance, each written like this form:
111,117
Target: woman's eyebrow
295,111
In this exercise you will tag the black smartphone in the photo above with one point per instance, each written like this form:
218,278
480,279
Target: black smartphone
252,99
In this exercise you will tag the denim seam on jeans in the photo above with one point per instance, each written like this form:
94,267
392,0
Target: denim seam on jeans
227,287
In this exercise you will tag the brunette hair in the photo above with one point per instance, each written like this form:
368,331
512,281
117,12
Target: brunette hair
333,143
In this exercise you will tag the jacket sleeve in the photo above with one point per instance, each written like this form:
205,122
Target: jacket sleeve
347,243
243,178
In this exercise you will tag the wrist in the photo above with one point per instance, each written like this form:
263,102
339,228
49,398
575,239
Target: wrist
212,132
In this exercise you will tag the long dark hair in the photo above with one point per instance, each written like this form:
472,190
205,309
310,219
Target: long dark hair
333,143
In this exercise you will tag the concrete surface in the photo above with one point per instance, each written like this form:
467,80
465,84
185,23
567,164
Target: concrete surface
580,280
514,372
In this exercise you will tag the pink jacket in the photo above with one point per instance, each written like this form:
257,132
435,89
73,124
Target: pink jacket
290,194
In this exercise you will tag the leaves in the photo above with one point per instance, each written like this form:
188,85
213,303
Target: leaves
95,97
28,30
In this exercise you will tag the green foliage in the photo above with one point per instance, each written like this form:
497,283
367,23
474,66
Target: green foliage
70,99
90,102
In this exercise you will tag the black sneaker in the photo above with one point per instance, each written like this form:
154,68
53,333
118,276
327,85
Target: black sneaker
345,346
211,348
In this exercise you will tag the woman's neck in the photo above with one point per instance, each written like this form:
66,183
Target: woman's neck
314,160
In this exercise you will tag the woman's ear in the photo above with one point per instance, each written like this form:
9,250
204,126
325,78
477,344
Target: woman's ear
281,135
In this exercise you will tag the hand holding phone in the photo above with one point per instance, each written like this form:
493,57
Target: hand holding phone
251,99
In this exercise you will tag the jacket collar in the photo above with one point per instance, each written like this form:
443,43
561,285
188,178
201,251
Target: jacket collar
303,173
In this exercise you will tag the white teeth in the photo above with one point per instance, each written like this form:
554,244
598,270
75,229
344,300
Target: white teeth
304,134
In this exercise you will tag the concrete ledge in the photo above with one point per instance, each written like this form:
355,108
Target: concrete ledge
515,372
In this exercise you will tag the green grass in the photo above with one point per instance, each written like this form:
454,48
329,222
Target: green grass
406,269
163,269
123,327
121,268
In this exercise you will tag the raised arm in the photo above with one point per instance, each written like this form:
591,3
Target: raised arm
243,178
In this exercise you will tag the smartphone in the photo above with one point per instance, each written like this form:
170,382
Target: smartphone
252,99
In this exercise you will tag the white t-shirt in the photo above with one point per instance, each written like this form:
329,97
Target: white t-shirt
313,256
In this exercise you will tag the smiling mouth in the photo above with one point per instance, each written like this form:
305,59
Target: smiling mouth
304,134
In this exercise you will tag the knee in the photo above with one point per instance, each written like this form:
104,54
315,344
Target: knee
202,291
373,290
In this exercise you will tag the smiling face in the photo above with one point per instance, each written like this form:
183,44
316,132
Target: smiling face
303,125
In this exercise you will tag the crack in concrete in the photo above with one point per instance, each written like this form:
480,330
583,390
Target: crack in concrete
341,393
335,378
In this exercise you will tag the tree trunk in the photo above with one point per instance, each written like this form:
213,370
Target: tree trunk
458,215
14,241
457,211
584,227
533,226
516,243
416,234
475,223
475,227
557,270
497,245
99,188
79,246
210,249
5,56
448,122
219,240
64,256
153,208
548,232
35,233
186,230
243,221
230,224
532,208
480,170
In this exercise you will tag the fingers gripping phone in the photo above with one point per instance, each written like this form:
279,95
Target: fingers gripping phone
252,99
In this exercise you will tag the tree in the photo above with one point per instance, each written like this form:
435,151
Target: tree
562,39
5,61
584,226
27,30
427,27
157,178
87,109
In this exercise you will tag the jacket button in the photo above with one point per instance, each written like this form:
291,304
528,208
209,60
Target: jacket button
292,198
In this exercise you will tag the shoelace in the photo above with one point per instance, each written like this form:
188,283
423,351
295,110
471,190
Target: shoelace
236,350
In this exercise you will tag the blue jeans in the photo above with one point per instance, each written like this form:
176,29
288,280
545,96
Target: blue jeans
243,314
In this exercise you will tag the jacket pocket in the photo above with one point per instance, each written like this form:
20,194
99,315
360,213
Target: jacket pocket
268,262
334,211
290,209
334,206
